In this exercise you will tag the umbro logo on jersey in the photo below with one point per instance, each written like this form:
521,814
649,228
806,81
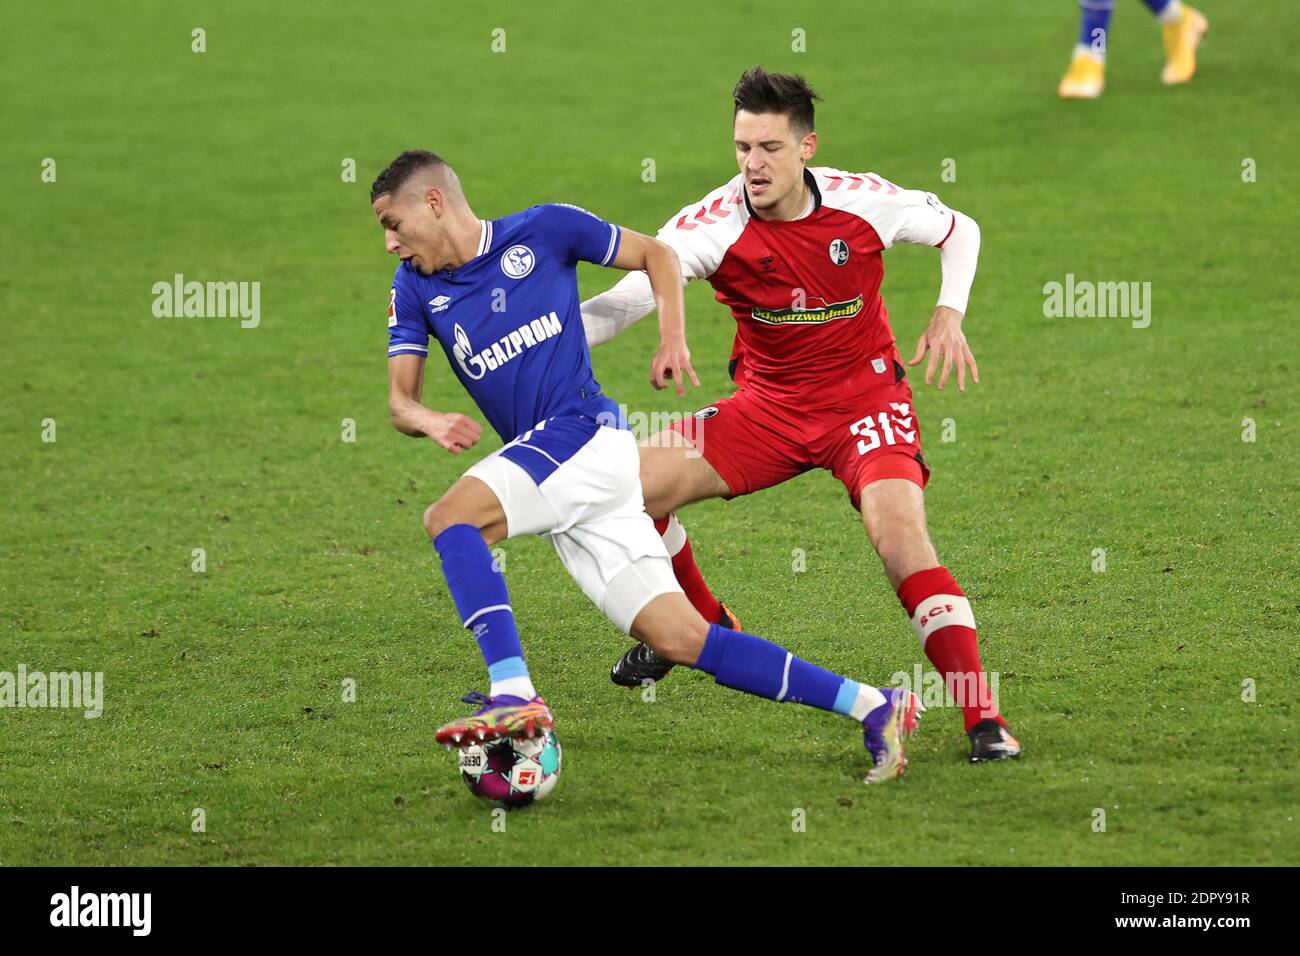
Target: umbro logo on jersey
815,316
517,261
439,302
510,346
839,251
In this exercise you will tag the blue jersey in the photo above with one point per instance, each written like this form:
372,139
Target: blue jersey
508,319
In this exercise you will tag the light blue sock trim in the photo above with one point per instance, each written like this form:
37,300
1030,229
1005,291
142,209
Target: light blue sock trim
847,697
506,668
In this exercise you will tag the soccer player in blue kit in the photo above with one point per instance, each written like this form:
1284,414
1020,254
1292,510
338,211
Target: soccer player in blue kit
501,299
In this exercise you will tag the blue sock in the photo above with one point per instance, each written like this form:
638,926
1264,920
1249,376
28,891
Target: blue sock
756,666
1095,25
1156,7
479,590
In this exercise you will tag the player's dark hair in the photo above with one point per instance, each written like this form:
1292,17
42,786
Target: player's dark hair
401,169
762,92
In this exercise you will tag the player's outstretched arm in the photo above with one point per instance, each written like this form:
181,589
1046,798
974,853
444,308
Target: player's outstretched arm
452,430
611,313
912,215
664,270
943,338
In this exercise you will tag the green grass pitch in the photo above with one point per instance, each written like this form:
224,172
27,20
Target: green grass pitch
223,689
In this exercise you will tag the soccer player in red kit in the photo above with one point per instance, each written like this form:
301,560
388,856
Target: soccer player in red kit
795,253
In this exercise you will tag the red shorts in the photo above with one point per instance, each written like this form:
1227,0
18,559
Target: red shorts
755,441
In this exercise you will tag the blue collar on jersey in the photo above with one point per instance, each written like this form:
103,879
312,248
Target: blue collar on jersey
808,178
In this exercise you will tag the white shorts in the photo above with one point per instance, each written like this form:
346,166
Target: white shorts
592,509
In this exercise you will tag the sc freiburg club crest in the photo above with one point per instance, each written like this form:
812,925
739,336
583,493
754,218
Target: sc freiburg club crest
839,251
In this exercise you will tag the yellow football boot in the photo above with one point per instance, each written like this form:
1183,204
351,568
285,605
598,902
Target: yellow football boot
1181,38
1085,78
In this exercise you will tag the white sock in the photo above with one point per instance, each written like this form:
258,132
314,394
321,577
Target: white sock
869,698
514,686
1089,52
1170,14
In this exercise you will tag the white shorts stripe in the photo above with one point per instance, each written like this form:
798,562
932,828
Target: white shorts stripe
524,444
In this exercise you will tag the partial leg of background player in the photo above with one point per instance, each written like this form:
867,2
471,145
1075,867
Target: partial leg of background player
1086,76
674,474
893,512
1182,28
670,626
1181,25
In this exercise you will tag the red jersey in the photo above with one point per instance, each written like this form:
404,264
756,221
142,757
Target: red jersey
811,324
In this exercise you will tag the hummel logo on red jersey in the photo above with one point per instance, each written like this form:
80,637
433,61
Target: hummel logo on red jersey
857,182
708,215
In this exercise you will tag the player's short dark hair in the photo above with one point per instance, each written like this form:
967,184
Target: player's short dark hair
401,169
762,92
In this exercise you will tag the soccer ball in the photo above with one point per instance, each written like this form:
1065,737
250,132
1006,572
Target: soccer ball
512,773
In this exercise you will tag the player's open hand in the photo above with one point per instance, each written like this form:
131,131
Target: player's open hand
945,339
454,431
673,360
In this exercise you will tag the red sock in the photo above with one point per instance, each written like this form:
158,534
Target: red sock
686,570
945,624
